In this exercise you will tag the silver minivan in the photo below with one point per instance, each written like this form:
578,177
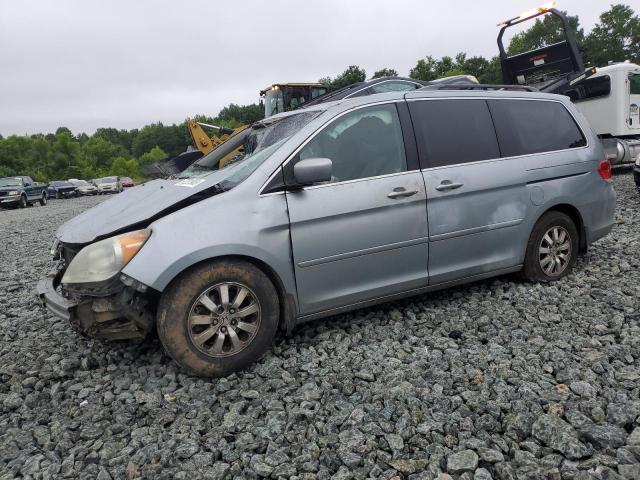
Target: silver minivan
331,208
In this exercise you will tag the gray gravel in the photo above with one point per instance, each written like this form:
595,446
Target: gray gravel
499,379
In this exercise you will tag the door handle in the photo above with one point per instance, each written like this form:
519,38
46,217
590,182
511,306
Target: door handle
400,192
446,185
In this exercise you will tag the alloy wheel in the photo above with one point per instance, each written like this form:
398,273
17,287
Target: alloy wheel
224,319
554,252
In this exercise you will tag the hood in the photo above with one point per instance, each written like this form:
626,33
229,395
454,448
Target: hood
136,207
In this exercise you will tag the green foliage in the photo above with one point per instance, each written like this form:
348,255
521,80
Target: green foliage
545,31
110,151
426,69
125,168
352,74
154,155
170,138
385,72
615,38
236,115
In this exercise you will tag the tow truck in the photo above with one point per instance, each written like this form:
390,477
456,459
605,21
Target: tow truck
609,97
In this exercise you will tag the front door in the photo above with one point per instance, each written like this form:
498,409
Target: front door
364,234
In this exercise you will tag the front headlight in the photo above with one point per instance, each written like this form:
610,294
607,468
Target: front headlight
13,193
102,260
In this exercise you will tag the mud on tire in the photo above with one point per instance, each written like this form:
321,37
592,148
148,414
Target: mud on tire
202,328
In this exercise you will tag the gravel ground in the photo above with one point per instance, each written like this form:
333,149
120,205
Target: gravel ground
498,379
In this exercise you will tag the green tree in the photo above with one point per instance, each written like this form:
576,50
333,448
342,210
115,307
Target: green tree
425,69
64,156
492,74
352,74
98,153
154,155
241,114
13,154
119,137
125,168
543,32
171,139
615,38
385,72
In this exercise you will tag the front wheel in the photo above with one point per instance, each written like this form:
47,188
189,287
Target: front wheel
23,202
58,195
218,318
43,199
552,249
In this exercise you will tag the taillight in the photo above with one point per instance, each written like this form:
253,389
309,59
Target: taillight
604,169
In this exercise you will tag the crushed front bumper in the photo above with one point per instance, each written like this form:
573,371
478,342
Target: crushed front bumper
50,298
121,314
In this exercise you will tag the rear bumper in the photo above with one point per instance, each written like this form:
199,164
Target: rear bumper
602,216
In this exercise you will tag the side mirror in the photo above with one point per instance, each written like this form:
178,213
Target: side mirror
26,184
312,170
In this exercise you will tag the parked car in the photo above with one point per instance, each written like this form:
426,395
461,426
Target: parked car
108,185
333,208
83,187
388,84
61,189
126,182
21,191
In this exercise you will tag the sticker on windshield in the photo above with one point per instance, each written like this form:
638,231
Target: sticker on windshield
190,182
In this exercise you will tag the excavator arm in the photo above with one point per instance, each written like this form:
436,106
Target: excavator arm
207,144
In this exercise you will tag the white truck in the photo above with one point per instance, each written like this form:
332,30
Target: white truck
610,100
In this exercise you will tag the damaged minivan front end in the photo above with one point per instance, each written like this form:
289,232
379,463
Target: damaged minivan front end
88,289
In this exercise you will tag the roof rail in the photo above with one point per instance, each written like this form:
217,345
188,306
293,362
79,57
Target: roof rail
480,86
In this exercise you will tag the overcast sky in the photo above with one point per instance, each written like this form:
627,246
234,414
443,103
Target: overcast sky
86,64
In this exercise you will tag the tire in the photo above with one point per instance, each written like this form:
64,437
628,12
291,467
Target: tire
23,202
43,199
201,341
58,195
550,254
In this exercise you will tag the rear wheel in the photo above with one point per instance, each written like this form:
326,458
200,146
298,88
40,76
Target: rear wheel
43,199
218,318
552,249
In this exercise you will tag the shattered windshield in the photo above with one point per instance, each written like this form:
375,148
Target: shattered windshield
259,142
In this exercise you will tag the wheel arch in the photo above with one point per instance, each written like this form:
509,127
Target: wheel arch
574,214
287,301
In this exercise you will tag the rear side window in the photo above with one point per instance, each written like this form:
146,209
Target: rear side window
451,132
528,126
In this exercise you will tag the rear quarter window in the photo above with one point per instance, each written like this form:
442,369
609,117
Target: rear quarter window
526,127
451,132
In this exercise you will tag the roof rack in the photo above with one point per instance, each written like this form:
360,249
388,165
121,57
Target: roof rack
480,86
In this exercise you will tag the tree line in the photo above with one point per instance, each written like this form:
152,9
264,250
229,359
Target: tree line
111,151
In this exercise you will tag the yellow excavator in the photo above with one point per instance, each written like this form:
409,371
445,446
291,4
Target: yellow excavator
276,98
207,144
